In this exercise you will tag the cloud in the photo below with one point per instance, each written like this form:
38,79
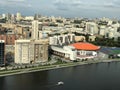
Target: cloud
14,0
101,5
109,5
60,5
15,3
66,4
64,7
115,4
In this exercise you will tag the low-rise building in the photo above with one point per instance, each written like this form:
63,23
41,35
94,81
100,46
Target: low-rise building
79,38
85,50
92,38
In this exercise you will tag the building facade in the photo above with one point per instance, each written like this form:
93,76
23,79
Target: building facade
91,28
31,51
22,54
37,32
62,39
35,29
2,52
18,16
9,39
40,52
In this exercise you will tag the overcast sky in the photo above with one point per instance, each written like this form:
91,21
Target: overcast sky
66,8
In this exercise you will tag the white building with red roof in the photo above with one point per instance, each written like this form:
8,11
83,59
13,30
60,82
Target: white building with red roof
85,50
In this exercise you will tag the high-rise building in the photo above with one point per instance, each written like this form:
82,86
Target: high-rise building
8,17
3,15
31,51
40,51
12,18
22,51
102,30
18,16
37,16
35,30
2,52
91,28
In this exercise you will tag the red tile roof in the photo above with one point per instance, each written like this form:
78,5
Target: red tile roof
85,46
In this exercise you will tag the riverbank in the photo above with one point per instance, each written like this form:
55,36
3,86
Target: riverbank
50,67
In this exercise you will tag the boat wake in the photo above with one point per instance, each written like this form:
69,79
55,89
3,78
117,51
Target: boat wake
51,85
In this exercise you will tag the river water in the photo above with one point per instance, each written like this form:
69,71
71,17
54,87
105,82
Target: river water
102,76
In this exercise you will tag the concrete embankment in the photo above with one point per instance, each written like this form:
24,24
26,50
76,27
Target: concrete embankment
50,67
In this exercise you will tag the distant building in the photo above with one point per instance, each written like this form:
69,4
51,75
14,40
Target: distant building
91,28
18,30
62,39
12,18
111,35
8,17
18,16
29,18
37,32
92,38
79,38
2,52
37,16
3,15
26,32
9,39
102,30
35,29
8,25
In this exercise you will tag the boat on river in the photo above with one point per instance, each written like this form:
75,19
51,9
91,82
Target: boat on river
60,83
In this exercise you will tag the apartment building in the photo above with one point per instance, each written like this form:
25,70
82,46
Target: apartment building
31,51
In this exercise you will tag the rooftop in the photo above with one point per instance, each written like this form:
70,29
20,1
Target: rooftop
85,46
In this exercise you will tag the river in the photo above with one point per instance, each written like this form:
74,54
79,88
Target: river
101,76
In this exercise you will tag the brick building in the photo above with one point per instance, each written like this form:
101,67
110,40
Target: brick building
9,39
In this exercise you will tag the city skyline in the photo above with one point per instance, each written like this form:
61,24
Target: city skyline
65,8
